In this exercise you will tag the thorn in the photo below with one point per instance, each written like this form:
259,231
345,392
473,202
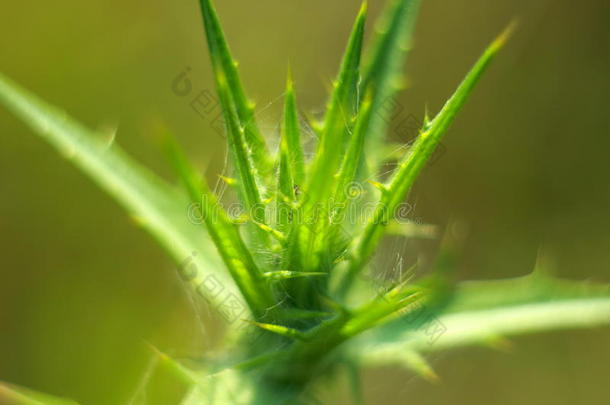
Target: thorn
506,34
289,81
379,186
109,132
173,365
427,120
417,363
411,272
499,343
276,234
287,274
228,180
364,7
139,220
279,330
544,264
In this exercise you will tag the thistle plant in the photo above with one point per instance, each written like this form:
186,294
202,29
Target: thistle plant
289,274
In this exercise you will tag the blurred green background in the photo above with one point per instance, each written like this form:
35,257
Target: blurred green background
526,165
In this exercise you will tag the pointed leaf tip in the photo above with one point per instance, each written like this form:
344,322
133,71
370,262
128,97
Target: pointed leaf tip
363,9
230,181
228,80
279,330
411,165
289,80
417,363
505,35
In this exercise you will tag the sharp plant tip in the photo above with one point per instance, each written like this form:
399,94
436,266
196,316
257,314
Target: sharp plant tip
289,80
364,8
506,34
433,377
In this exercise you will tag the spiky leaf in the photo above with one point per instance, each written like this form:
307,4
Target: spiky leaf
159,208
226,69
414,161
13,395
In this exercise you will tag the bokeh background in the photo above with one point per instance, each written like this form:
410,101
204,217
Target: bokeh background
526,165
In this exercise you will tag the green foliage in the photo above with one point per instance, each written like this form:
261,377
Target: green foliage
225,235
484,313
230,89
13,395
310,310
413,162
